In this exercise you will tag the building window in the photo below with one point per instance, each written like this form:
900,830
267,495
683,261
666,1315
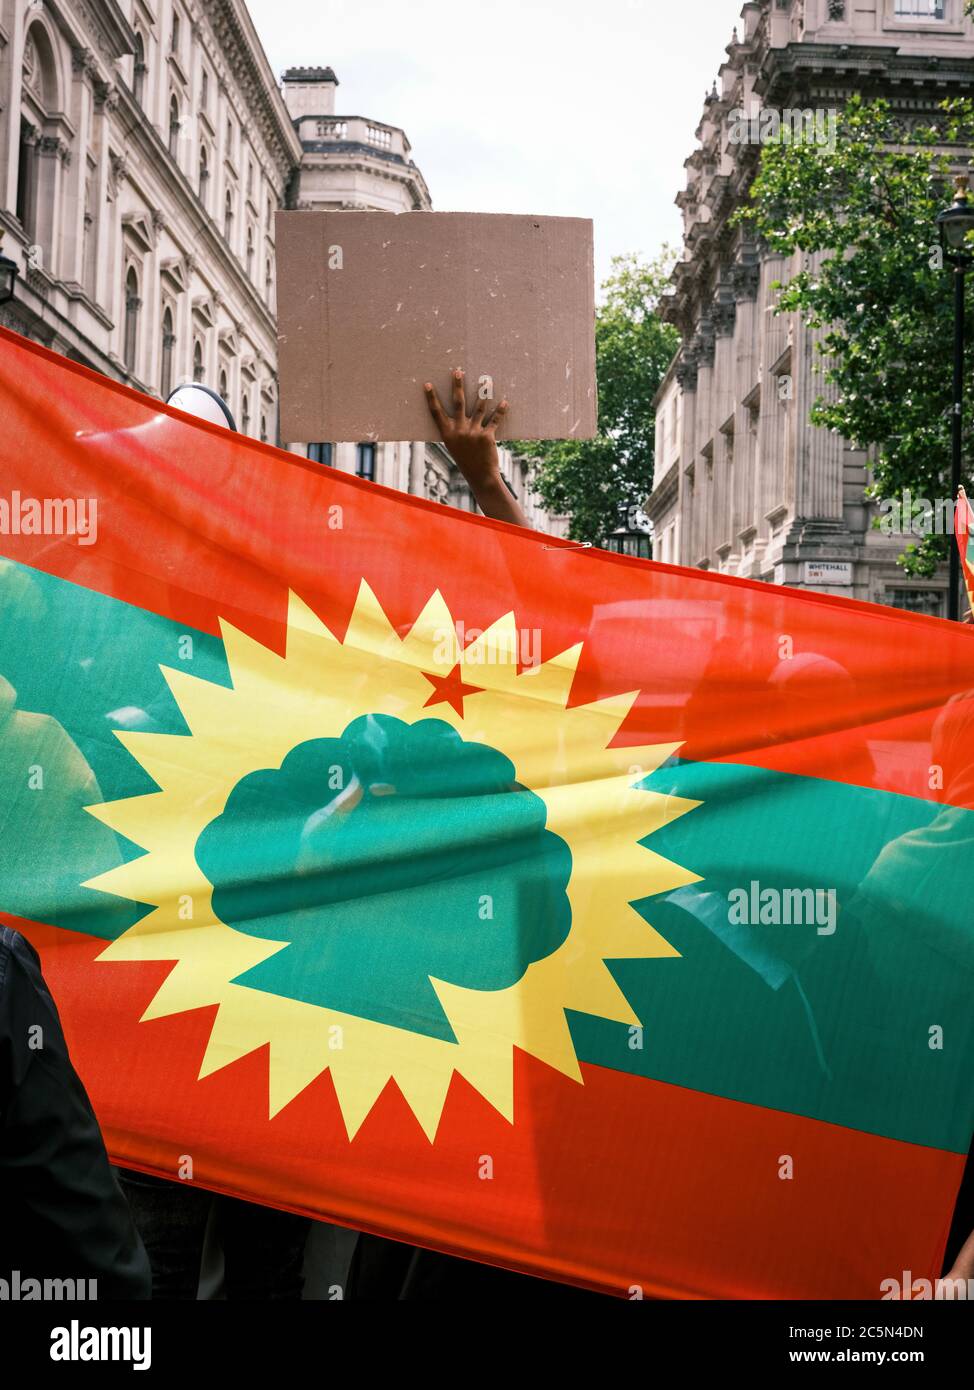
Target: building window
321,453
197,360
229,138
89,258
224,389
168,343
268,282
204,90
918,9
26,177
250,178
929,601
245,414
139,69
365,461
174,35
250,253
173,126
132,306
263,429
204,174
228,217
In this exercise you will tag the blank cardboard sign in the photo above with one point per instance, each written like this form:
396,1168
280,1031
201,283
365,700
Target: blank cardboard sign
373,304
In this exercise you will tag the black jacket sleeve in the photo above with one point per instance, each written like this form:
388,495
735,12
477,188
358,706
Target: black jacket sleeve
64,1216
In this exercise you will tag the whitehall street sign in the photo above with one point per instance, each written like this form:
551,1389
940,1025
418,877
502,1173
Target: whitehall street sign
837,572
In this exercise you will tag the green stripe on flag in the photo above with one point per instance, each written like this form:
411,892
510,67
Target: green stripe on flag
861,1017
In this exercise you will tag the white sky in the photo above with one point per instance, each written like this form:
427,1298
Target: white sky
581,108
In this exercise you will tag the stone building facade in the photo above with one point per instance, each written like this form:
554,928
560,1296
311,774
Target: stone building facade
743,483
145,146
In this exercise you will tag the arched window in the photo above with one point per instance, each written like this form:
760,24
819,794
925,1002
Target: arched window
168,343
268,281
173,125
250,253
40,74
41,147
197,360
174,36
204,174
132,306
245,414
139,69
263,429
228,217
224,387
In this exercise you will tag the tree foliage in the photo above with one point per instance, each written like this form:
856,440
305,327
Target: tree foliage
589,480
880,293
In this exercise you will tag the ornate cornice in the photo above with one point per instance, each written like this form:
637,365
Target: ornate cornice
265,105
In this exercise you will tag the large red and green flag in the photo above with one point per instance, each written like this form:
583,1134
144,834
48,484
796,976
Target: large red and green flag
595,918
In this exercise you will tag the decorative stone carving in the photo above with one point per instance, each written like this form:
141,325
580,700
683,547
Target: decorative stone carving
704,344
55,146
84,62
106,96
745,279
117,173
686,373
723,313
29,67
436,486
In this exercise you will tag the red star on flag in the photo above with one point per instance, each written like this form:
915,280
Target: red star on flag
450,690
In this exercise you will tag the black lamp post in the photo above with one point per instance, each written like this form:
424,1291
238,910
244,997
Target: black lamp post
8,277
629,537
954,223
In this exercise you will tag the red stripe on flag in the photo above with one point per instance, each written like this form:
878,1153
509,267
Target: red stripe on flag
619,1184
198,524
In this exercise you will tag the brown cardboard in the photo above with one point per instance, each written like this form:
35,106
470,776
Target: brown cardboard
373,304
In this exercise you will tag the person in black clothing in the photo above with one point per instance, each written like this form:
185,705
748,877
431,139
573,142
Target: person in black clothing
64,1216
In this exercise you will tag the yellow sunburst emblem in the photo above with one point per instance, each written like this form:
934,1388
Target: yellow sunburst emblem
316,691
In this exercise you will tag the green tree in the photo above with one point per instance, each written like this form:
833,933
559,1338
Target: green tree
590,479
869,202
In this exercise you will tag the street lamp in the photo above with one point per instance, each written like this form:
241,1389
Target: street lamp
954,224
630,537
8,276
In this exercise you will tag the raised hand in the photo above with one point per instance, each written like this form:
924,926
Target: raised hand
472,443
